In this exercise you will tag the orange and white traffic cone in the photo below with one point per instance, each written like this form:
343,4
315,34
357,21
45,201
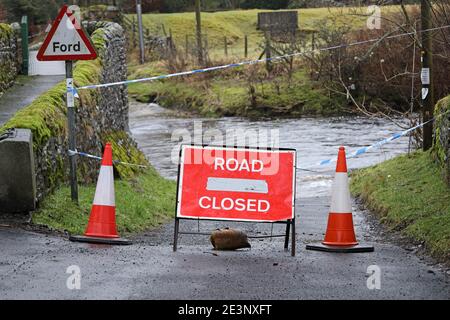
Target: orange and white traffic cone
101,227
340,234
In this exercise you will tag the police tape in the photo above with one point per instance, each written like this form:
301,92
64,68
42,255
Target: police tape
378,144
251,62
354,154
91,156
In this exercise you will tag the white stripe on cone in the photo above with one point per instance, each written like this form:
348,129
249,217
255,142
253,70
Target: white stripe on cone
340,194
104,193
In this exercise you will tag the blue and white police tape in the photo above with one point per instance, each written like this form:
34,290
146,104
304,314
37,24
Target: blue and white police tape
91,156
379,143
321,163
233,65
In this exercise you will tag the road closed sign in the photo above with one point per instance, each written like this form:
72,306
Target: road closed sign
66,40
242,184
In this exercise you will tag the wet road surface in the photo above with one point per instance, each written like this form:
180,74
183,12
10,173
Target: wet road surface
33,266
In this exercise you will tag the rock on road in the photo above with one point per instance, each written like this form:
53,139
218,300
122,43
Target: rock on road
33,266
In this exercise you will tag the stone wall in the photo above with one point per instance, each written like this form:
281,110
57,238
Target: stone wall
101,116
9,67
441,148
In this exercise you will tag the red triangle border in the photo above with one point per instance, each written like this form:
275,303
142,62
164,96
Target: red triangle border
84,37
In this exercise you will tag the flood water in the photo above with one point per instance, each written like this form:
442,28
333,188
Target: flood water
315,139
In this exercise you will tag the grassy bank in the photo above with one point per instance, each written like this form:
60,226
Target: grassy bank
409,195
229,94
141,202
236,24
237,91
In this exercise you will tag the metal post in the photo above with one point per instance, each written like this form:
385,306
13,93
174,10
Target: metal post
175,237
72,136
427,68
141,32
286,239
293,238
24,36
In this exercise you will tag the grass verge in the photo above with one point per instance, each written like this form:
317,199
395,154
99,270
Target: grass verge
141,202
409,195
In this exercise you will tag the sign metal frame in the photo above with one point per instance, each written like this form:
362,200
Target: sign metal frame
290,223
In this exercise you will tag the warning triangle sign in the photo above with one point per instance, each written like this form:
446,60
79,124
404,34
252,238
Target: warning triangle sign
66,40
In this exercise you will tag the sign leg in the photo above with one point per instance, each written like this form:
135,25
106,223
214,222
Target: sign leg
286,239
175,237
293,238
71,125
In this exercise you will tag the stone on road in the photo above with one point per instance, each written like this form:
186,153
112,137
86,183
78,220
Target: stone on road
34,266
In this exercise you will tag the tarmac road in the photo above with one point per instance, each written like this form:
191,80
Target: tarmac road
33,266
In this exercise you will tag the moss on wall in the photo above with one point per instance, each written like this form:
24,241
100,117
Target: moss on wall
8,57
125,150
101,116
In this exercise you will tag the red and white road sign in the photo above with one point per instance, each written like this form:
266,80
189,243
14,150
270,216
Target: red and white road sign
243,184
66,40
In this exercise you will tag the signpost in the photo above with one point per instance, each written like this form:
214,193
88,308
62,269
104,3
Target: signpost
67,41
236,184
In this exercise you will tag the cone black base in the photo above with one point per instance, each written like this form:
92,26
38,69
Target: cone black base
340,249
95,240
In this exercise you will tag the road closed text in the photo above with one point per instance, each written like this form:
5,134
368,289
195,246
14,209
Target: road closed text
227,204
235,184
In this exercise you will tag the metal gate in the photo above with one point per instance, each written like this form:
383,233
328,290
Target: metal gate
44,68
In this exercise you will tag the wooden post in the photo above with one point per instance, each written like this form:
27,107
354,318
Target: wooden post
133,28
246,46
198,19
205,47
268,52
313,41
186,46
225,43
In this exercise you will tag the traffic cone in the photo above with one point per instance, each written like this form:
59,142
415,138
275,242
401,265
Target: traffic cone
340,234
101,227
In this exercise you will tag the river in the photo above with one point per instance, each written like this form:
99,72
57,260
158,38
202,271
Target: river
156,131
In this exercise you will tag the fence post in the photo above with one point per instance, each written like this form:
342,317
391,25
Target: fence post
246,46
225,45
313,41
133,31
24,36
268,54
186,46
205,46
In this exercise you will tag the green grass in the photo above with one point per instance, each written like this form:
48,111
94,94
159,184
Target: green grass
227,94
409,195
236,24
142,202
